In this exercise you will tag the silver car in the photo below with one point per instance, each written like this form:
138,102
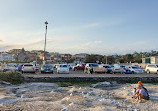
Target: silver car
28,68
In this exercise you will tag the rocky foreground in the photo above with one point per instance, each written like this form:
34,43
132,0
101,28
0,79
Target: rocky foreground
103,96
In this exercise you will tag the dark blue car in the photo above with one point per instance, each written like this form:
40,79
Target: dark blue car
20,67
47,69
127,71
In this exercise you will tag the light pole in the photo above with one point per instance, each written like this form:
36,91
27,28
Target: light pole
44,58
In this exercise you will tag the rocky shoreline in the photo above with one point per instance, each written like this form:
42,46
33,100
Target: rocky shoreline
104,96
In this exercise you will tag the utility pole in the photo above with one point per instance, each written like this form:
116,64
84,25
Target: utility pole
44,56
106,59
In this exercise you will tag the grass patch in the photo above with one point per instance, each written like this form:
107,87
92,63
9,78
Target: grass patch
12,77
73,83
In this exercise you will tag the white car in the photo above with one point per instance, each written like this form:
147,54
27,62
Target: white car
151,68
135,70
63,68
117,70
28,68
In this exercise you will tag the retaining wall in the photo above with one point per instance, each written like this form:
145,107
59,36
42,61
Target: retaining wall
92,79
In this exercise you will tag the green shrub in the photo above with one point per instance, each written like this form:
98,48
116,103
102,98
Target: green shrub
12,77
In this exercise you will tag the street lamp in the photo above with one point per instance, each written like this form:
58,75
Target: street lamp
45,41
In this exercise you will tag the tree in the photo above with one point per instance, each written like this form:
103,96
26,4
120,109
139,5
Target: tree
91,58
22,50
110,59
128,58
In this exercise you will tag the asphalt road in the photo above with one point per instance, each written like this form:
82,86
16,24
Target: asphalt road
82,74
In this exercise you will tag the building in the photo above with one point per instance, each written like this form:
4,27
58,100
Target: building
40,54
15,51
66,57
150,60
79,58
55,56
154,60
4,56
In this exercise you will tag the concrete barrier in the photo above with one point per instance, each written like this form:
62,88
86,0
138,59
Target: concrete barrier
92,79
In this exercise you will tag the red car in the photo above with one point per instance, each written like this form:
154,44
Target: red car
79,67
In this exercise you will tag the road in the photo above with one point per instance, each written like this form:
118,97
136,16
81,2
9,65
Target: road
82,74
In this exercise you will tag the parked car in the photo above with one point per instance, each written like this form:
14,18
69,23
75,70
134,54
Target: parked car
10,67
118,70
28,68
127,71
135,70
69,66
79,67
108,68
47,68
19,68
151,68
92,67
62,68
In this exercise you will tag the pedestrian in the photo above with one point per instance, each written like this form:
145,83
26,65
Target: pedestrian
140,92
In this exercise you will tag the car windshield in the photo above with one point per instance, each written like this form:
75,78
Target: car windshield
122,66
126,68
47,66
20,65
107,66
134,67
156,65
93,65
28,65
63,65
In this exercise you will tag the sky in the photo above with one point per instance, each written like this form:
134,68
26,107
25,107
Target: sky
80,26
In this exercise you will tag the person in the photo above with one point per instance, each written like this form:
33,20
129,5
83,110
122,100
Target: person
141,92
36,68
6,68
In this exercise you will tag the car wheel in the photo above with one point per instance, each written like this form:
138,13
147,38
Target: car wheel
22,72
148,71
132,72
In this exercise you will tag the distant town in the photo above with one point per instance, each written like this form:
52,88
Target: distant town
21,55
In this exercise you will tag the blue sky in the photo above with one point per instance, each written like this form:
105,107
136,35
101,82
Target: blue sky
80,26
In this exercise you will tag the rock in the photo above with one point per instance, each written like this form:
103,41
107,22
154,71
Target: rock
71,104
117,105
70,94
126,100
103,96
68,99
113,101
101,84
135,109
110,97
86,96
114,83
104,101
64,109
40,84
7,100
7,83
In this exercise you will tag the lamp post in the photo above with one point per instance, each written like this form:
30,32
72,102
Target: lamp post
44,57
